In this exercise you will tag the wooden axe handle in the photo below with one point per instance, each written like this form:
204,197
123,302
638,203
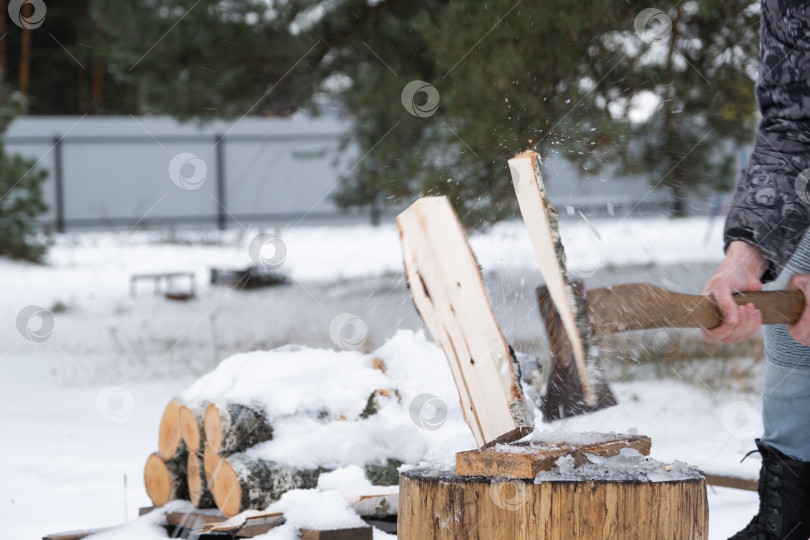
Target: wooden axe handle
640,306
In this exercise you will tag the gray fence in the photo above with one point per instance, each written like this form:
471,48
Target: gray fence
123,172
127,172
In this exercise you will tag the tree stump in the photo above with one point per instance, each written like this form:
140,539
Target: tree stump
440,505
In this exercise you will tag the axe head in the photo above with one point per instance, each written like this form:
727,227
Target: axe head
564,395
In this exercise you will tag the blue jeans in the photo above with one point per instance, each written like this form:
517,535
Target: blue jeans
786,399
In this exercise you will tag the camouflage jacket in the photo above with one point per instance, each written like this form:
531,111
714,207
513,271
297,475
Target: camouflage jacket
771,206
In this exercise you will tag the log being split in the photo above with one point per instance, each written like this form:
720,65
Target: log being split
244,482
170,440
233,427
448,291
447,507
198,491
191,419
165,480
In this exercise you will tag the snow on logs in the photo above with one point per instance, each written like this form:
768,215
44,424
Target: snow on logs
266,422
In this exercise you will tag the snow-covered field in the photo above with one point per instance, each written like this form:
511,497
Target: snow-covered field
81,407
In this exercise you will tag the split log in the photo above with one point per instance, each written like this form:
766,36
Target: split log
448,291
542,224
191,418
165,480
198,491
525,460
170,440
431,504
234,427
245,482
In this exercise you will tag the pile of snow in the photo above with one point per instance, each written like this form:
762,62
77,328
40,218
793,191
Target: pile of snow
335,408
628,466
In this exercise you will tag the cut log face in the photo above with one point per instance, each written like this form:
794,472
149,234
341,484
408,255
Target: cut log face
448,291
210,463
191,418
234,427
165,480
244,483
542,225
198,492
431,504
170,440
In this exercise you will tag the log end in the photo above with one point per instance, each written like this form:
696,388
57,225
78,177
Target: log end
195,484
210,463
158,480
213,428
190,429
169,436
226,489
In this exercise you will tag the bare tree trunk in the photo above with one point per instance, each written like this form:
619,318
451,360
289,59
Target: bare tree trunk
25,53
3,36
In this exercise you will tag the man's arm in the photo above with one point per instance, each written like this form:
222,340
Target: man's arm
769,215
768,211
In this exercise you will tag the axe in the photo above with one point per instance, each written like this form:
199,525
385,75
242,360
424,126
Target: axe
637,306
575,318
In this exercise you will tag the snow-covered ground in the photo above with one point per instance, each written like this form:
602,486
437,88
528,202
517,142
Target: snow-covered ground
81,407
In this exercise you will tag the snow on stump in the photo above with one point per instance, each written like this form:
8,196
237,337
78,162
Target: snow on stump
628,496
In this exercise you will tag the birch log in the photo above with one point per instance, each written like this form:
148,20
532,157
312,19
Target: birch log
243,482
235,427
191,418
165,480
170,440
198,491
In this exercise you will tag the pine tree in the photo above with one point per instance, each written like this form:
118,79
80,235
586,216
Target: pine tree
507,75
20,190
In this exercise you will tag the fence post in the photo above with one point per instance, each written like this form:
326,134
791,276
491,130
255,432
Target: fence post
220,158
58,178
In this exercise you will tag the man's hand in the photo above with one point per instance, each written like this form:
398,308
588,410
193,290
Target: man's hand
740,271
801,330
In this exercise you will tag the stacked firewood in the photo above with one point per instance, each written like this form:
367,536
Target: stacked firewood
201,458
